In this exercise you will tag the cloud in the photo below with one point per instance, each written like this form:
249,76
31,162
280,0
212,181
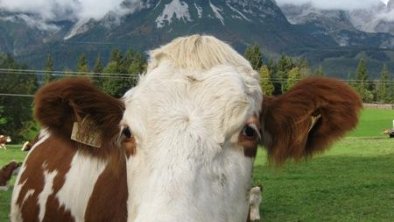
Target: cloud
334,4
42,13
57,10
388,16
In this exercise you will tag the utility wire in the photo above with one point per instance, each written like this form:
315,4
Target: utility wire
134,76
16,95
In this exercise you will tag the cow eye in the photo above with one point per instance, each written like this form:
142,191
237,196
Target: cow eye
126,132
250,131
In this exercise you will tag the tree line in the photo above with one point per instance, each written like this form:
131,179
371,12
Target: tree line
121,72
19,84
278,77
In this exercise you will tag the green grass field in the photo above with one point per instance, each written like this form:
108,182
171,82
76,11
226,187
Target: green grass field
13,152
373,122
354,181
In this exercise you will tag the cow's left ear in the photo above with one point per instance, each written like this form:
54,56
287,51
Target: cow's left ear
308,118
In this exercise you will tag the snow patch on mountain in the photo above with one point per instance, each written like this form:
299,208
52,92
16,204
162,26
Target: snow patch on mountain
238,12
175,8
199,10
78,28
216,11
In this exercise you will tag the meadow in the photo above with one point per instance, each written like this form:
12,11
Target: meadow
353,181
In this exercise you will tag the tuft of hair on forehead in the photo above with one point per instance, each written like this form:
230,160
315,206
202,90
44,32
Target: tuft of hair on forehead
198,52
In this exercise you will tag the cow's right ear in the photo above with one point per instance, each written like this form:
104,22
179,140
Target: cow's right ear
308,118
60,104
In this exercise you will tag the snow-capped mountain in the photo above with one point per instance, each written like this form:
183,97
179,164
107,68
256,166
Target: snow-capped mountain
146,24
379,18
361,27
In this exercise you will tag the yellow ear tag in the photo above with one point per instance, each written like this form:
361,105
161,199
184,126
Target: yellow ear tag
86,132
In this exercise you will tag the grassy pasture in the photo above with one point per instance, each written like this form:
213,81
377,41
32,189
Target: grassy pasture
13,152
373,122
354,181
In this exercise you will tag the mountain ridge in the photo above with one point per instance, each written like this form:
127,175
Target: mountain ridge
147,24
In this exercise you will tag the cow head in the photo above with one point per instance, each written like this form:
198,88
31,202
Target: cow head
191,126
7,171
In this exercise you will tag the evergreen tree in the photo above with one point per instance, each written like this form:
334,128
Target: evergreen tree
98,70
304,67
111,79
16,110
3,119
275,78
123,70
319,71
126,61
253,54
265,81
293,77
82,66
362,84
98,65
383,89
285,64
49,70
116,57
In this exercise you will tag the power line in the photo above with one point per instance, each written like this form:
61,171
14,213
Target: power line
64,73
16,95
41,72
132,76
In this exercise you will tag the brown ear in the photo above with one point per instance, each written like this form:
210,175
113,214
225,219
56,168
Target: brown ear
309,118
61,103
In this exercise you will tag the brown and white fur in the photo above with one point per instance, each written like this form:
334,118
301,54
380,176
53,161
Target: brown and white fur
3,141
178,147
27,145
6,173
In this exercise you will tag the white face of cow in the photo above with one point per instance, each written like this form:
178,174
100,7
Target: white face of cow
191,127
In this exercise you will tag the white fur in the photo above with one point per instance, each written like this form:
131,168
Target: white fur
29,193
46,192
186,114
15,214
24,146
79,184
